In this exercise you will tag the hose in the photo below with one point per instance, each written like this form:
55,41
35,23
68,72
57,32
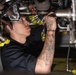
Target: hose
67,62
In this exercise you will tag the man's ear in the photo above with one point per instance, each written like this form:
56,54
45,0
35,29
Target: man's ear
8,27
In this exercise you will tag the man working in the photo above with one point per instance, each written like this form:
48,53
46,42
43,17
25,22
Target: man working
16,56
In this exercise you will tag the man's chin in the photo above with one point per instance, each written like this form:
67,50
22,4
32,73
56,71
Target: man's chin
28,34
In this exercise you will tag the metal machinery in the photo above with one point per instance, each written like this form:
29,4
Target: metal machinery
34,10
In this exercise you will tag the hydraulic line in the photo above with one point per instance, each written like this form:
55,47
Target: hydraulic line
67,60
6,10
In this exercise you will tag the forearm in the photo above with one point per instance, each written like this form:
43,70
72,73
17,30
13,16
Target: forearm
46,57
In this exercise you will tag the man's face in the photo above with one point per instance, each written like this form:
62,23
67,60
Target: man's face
22,27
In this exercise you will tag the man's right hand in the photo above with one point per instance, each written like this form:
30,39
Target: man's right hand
50,22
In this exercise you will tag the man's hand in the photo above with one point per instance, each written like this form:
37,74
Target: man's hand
50,21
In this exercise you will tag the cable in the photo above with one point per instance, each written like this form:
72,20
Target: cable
67,60
8,8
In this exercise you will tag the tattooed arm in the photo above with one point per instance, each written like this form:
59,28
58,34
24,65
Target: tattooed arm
45,59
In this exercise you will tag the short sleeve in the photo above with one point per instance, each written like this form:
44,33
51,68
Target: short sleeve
14,59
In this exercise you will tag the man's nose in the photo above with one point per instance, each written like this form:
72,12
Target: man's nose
25,21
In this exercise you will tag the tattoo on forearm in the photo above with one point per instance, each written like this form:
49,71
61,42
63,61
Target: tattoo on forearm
49,24
49,46
48,49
